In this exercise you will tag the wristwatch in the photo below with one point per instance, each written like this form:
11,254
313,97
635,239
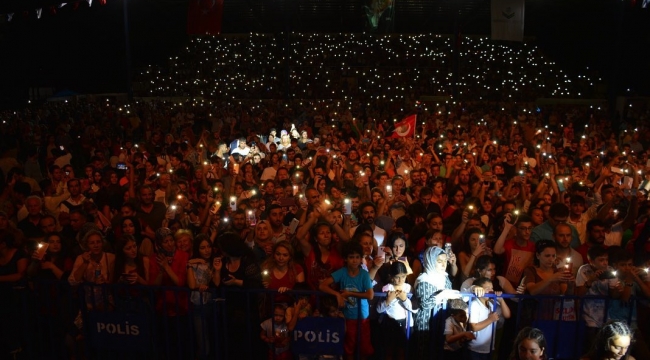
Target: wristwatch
629,284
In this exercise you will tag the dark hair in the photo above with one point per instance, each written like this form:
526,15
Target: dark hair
558,210
594,222
577,199
601,343
466,247
394,236
482,281
361,229
313,232
366,204
483,262
233,245
120,257
196,245
596,251
533,334
425,191
351,248
619,255
137,235
396,268
542,245
524,218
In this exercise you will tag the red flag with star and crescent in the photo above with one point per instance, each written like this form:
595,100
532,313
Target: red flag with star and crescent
204,17
405,128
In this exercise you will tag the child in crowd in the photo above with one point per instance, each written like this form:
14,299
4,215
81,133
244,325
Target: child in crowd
592,279
276,333
622,308
483,313
456,335
396,307
356,290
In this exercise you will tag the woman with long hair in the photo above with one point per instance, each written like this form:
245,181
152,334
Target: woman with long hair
132,267
322,256
53,263
544,278
280,272
530,344
473,247
456,200
132,226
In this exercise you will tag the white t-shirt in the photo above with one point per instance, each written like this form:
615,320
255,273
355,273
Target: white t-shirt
614,237
396,309
477,313
593,310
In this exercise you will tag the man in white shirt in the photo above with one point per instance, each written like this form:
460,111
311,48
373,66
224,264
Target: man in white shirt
241,149
368,211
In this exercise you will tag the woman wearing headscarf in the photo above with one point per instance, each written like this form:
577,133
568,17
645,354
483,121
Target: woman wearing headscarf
432,289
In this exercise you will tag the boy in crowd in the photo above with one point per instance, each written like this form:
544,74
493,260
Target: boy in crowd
592,279
356,291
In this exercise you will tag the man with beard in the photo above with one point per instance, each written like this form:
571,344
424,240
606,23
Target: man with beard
238,224
279,231
368,212
595,236
565,254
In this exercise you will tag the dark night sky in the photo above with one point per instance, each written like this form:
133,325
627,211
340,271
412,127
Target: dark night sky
84,51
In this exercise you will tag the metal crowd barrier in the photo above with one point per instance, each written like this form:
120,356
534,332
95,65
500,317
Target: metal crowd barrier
59,321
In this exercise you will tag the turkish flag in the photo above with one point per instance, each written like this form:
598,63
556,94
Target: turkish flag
204,17
405,128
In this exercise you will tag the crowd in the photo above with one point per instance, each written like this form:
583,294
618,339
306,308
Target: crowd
488,197
363,67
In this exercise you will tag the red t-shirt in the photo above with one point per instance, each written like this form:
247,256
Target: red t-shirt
317,272
179,267
518,258
288,281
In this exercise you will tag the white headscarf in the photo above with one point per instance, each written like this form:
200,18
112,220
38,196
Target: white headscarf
429,273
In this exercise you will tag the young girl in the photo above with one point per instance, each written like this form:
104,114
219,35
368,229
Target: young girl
530,344
396,306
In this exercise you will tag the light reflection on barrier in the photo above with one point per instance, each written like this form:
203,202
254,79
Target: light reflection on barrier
122,322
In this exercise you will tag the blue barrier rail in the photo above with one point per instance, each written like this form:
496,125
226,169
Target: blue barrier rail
59,321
